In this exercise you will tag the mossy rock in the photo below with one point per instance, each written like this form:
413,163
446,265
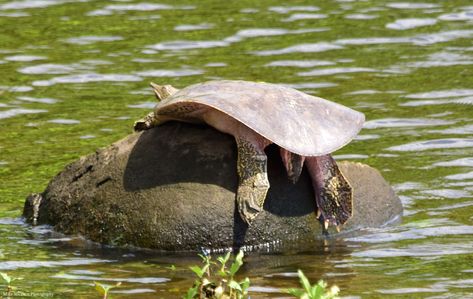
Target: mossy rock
173,188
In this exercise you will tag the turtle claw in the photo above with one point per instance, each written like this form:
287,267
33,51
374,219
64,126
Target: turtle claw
326,224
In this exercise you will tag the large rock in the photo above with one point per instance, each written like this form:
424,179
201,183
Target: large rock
173,188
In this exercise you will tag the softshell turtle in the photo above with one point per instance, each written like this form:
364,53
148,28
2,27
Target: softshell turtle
306,128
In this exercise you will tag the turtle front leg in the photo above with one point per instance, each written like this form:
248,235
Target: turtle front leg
253,182
333,193
148,122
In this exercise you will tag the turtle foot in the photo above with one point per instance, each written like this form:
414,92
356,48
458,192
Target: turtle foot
145,123
253,180
250,199
333,193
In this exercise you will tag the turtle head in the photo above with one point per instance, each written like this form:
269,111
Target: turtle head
163,91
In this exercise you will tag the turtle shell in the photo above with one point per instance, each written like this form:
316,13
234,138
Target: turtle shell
300,123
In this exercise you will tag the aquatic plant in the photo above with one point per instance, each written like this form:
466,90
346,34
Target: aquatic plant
216,280
9,279
103,289
316,291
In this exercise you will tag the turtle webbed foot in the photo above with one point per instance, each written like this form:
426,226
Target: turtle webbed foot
253,180
333,193
250,198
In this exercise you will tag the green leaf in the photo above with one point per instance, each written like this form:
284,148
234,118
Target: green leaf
191,293
304,281
317,291
296,292
102,289
6,277
224,259
236,263
222,273
172,268
198,271
245,284
234,285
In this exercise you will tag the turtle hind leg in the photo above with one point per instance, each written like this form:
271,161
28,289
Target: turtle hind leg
333,193
253,182
293,164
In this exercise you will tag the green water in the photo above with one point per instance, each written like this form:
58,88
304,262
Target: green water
74,76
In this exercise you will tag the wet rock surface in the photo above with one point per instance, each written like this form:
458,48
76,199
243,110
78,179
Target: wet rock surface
173,188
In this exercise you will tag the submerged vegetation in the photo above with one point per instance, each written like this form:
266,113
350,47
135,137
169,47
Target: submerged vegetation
216,280
8,280
103,289
316,291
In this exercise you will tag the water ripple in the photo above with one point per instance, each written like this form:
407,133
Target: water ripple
86,78
400,291
404,122
288,9
442,59
408,5
110,9
466,15
90,39
334,71
403,24
448,193
460,176
464,101
186,44
14,14
258,32
144,280
19,111
15,88
24,58
13,265
422,250
468,129
304,16
441,94
38,100
185,27
458,162
135,291
63,121
414,231
300,63
25,4
433,144
48,68
360,16
169,73
420,39
301,48
145,105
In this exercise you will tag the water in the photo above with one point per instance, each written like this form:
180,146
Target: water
74,77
